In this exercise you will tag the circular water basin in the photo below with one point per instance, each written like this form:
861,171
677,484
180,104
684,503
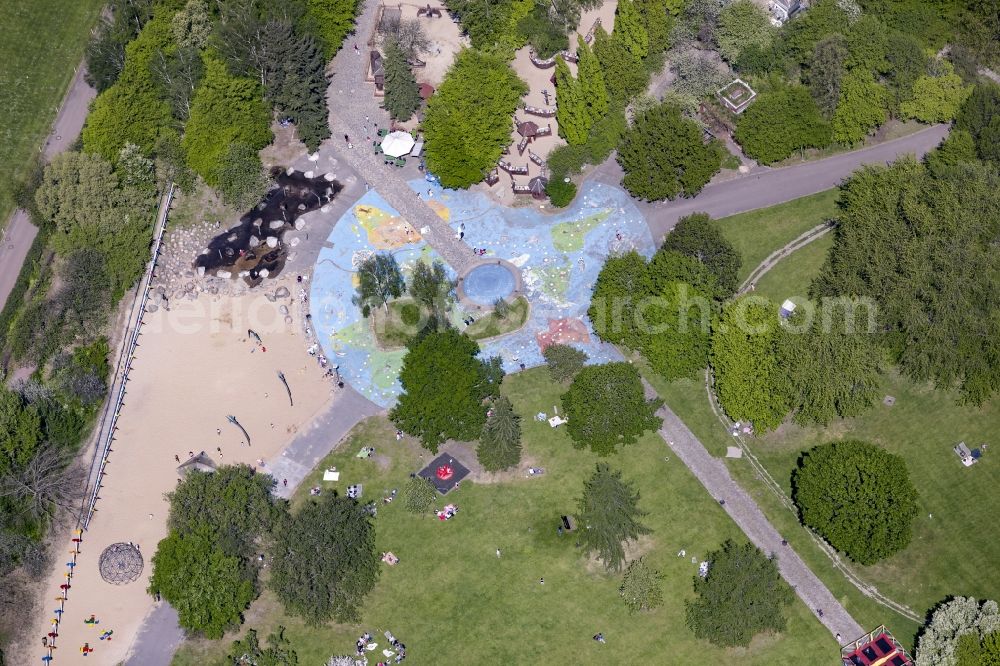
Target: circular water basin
485,284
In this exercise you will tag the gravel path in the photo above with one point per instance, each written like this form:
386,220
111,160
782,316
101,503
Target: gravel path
744,511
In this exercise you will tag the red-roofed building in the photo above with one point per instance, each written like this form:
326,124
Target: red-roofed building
878,648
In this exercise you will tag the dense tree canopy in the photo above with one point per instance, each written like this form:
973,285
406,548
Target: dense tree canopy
800,126
921,245
622,283
607,408
233,505
980,117
742,596
610,515
132,110
825,73
749,382
957,626
833,362
858,497
330,21
936,98
91,208
208,588
444,386
564,361
324,560
743,24
695,236
492,24
225,110
467,123
663,156
861,109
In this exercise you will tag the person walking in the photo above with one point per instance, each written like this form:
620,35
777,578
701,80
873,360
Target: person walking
498,553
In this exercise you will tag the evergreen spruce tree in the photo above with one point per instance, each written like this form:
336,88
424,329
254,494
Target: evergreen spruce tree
402,95
571,111
590,83
500,444
609,515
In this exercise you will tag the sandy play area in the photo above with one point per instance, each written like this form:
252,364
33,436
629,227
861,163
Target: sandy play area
194,366
539,82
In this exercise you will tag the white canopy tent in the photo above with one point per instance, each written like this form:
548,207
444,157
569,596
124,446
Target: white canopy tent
397,144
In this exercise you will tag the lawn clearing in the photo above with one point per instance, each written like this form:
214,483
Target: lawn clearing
758,233
791,277
490,325
451,600
689,400
44,44
954,548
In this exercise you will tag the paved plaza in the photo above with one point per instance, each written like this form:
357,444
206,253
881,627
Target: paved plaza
558,256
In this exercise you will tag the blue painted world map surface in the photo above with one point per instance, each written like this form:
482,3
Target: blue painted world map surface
559,256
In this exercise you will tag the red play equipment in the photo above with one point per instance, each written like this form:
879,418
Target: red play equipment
445,472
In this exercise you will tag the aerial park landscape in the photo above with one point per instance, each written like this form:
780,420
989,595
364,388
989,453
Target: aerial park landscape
637,330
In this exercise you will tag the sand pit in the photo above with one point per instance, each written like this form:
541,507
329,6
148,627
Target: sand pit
193,367
445,41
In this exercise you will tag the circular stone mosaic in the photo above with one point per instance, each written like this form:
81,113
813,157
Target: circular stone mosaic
120,563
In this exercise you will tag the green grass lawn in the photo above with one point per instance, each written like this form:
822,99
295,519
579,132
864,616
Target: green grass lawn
791,277
453,602
393,329
758,233
490,326
689,401
44,44
954,548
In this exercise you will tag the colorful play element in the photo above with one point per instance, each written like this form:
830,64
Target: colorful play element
485,283
445,472
558,257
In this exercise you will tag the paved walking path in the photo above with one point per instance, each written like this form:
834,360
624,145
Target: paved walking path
772,259
354,111
744,511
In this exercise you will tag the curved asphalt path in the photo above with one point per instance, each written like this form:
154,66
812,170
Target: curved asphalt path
765,187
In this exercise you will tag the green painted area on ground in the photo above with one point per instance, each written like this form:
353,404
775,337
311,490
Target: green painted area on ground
568,236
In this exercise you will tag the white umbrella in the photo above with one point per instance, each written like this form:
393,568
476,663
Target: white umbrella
397,144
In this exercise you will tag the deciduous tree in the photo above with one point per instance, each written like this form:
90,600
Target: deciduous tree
379,281
695,236
937,98
331,21
749,382
324,560
445,385
607,408
467,123
609,515
225,110
951,621
249,652
801,125
743,24
564,361
861,109
858,497
208,588
663,156
642,587
741,596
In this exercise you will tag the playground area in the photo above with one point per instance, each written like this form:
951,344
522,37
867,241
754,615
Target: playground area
558,257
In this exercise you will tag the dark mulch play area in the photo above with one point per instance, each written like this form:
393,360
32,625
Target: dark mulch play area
444,462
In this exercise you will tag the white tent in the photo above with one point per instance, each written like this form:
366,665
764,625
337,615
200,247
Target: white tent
397,144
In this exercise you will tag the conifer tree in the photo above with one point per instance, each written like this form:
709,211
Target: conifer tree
500,444
609,515
571,110
630,31
590,83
